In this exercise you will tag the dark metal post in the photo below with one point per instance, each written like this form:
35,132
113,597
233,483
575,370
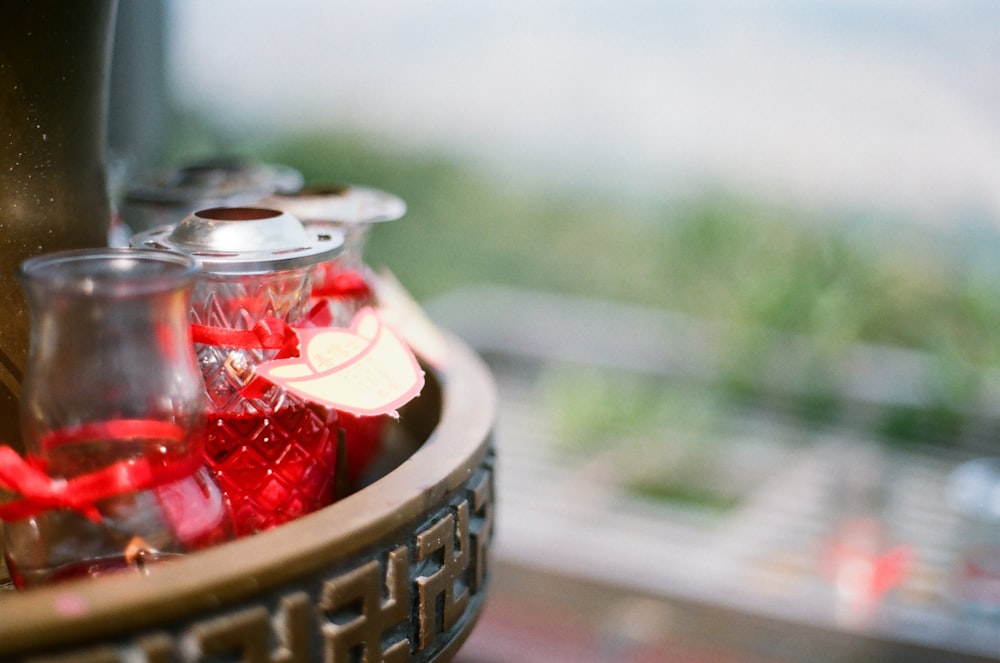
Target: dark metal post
54,71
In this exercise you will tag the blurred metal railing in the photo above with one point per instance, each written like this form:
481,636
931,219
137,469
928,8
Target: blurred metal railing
563,514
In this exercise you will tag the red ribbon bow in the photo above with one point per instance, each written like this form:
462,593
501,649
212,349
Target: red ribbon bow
267,334
39,492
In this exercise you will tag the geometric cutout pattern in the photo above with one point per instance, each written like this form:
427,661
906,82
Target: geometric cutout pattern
408,601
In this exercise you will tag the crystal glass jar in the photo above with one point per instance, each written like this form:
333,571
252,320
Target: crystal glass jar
113,420
346,284
273,452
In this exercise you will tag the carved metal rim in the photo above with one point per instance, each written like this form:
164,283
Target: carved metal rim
84,612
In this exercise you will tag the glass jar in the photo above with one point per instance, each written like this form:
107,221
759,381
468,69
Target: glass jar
113,414
274,453
169,196
346,284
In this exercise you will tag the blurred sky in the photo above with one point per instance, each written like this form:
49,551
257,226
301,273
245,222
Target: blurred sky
891,104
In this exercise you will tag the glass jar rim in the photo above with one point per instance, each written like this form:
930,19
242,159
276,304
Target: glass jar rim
110,271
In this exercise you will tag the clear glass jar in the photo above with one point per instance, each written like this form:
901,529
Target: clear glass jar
113,413
274,453
346,284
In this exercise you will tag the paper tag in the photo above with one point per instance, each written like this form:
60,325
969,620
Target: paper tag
403,314
366,369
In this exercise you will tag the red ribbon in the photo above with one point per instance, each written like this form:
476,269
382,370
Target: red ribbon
342,285
320,314
39,492
333,285
266,334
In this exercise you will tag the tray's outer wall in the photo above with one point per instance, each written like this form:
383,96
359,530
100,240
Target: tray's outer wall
397,571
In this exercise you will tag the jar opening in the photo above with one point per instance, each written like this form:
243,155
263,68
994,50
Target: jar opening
237,214
327,190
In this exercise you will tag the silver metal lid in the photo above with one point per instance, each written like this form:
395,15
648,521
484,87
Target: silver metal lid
244,240
347,204
217,182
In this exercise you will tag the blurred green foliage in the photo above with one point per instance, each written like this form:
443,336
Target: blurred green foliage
758,267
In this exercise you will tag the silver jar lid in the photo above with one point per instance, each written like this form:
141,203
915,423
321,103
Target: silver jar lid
347,204
169,195
244,240
216,182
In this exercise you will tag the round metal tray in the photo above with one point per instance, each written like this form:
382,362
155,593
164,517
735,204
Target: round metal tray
396,571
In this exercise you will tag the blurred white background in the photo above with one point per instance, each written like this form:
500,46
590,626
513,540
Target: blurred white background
891,105
878,113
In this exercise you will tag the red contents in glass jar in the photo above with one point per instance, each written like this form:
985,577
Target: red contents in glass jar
363,441
274,467
338,283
